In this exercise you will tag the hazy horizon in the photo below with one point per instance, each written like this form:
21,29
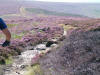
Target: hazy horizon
72,1
57,8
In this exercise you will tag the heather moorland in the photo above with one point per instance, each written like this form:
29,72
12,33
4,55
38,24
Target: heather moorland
46,42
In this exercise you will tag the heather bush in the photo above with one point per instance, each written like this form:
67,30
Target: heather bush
79,54
30,39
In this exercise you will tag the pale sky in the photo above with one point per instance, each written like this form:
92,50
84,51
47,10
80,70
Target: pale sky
70,0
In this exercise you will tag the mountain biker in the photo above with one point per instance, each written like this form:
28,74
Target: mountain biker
4,29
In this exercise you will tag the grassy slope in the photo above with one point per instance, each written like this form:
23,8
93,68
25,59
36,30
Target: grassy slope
47,12
85,9
13,6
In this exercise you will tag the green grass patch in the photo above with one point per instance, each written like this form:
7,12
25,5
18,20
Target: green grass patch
14,36
47,12
67,27
34,70
18,36
2,36
11,25
9,60
36,23
32,31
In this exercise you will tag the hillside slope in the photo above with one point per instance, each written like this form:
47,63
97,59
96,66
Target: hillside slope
83,9
79,54
47,12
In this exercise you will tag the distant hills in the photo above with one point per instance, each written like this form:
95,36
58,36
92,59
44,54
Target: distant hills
8,7
48,12
50,8
85,9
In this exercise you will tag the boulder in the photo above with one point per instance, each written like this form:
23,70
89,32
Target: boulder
49,43
40,47
52,41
